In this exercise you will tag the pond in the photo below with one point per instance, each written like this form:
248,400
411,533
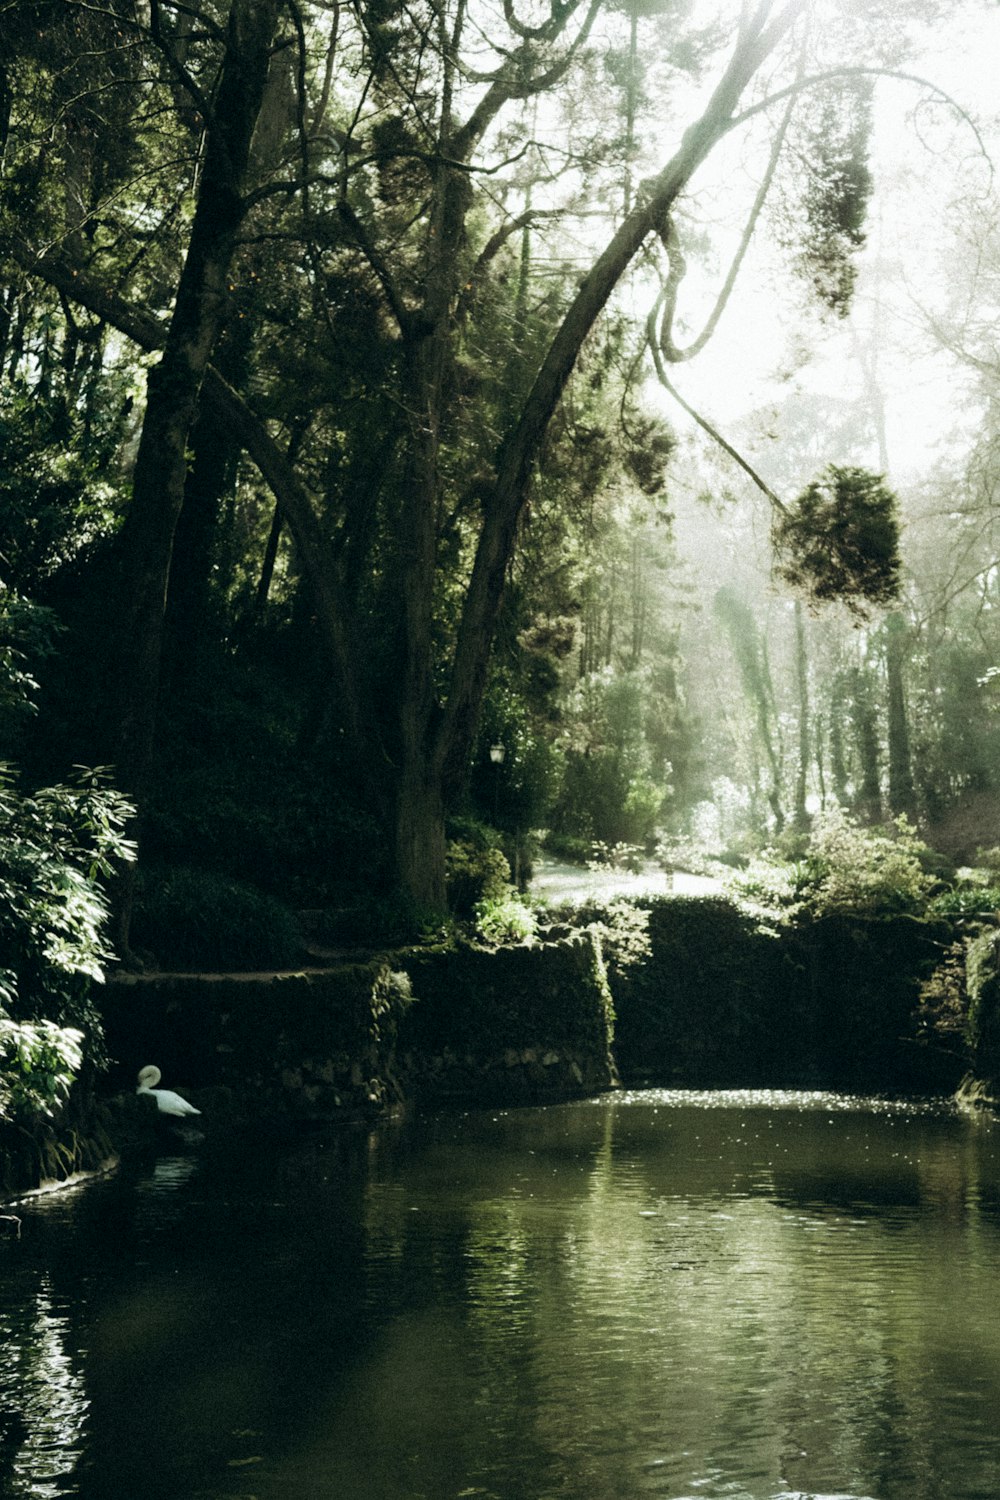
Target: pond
741,1295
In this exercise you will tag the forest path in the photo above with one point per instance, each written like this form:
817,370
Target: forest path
557,882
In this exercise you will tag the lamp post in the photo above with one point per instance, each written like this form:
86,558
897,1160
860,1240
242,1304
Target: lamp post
497,753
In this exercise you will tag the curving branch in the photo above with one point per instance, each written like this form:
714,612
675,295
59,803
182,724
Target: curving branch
678,265
181,73
833,75
705,425
508,83
494,245
548,29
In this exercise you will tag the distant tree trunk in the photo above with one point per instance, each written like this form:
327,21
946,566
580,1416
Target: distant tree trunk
818,758
802,677
838,757
902,797
173,388
868,798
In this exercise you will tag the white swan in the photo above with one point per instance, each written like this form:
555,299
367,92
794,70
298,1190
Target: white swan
167,1102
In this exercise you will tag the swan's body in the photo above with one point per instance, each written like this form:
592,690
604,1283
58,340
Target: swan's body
167,1102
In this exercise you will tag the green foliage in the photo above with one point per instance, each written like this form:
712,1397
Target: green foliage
568,846
701,1005
476,869
944,1001
38,1062
234,793
27,637
838,187
479,1003
622,928
983,988
504,919
847,868
515,794
56,846
966,900
380,922
839,540
614,784
55,494
615,857
193,919
850,868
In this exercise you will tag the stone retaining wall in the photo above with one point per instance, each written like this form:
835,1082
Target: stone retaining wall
520,1024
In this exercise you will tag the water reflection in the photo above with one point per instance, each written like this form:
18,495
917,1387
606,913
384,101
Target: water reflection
750,1296
43,1403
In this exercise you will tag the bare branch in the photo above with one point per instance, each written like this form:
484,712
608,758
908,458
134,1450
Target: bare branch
678,265
508,85
706,426
832,75
165,45
493,247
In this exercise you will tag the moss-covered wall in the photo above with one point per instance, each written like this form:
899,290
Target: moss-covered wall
827,1003
717,1002
314,1043
704,1006
861,980
983,985
524,1023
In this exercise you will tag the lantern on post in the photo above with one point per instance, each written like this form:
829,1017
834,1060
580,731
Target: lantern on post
497,753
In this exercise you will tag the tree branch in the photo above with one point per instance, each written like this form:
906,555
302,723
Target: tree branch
814,80
678,265
705,425
517,457
400,311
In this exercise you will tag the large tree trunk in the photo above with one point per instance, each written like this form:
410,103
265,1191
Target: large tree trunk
902,797
519,452
173,389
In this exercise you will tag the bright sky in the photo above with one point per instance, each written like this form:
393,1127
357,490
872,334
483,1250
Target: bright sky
921,154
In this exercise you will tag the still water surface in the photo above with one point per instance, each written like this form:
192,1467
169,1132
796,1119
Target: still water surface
720,1296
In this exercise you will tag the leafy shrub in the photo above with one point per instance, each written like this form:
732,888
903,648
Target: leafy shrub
849,868
622,928
619,856
193,919
840,539
387,922
504,919
27,636
966,900
567,846
476,870
846,869
55,847
38,1062
607,799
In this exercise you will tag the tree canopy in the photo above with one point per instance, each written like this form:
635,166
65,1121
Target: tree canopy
322,368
